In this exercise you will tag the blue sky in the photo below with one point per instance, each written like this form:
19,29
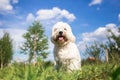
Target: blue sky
89,19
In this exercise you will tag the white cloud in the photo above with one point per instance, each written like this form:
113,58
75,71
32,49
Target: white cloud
48,17
45,14
95,2
5,5
67,15
53,14
30,17
99,35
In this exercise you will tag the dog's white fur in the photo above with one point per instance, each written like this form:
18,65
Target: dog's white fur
66,52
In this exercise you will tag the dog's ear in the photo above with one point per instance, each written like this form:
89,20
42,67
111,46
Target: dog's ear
71,36
72,39
52,36
52,40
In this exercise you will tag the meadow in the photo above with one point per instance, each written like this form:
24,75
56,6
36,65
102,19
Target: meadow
46,71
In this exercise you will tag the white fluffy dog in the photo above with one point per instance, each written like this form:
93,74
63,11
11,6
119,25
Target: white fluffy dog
66,53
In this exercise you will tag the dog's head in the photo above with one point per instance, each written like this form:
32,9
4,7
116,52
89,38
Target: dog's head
62,33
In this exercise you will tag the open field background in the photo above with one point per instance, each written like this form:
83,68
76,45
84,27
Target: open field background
102,63
25,33
45,71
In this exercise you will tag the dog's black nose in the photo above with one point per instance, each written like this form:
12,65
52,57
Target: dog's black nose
60,32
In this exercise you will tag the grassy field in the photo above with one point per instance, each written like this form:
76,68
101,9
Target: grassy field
45,71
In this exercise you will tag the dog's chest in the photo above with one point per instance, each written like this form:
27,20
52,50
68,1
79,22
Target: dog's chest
64,53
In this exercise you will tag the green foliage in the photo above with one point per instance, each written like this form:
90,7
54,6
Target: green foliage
36,42
45,71
94,50
116,74
6,51
114,46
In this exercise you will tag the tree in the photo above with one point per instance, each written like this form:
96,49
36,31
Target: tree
94,50
6,50
114,45
36,43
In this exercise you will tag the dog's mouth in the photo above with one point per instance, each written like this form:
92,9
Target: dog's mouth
60,38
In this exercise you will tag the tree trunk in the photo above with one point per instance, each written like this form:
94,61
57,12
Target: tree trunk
106,56
35,54
1,63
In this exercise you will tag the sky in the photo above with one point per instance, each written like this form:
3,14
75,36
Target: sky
89,19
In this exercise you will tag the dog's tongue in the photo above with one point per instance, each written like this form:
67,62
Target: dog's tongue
60,38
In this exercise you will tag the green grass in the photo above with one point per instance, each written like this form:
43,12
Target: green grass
44,71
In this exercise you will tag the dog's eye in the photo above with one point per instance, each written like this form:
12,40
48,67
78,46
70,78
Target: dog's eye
65,29
55,29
